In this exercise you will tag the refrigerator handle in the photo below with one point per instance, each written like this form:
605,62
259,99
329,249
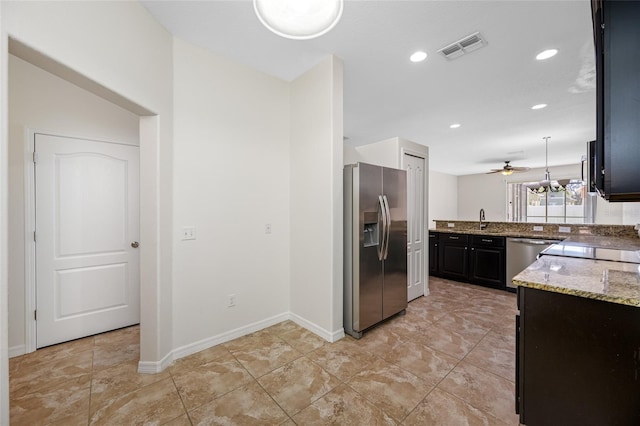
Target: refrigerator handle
388,214
382,213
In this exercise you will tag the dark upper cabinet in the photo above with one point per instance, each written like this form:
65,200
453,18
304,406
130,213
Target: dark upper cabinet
616,154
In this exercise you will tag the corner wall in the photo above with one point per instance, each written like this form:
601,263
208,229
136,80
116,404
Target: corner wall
316,199
231,172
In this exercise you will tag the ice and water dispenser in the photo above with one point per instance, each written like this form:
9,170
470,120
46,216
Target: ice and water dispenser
370,231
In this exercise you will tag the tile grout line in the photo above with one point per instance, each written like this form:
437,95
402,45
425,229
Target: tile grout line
181,400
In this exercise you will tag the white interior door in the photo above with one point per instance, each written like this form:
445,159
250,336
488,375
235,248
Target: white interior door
415,167
87,220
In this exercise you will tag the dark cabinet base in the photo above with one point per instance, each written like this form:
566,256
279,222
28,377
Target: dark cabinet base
578,360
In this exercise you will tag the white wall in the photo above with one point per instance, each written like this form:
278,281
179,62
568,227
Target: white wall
488,191
443,197
41,101
316,198
231,178
122,48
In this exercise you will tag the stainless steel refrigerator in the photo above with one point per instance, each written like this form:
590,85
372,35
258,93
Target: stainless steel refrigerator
375,245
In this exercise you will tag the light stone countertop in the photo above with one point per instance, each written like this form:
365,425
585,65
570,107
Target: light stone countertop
584,278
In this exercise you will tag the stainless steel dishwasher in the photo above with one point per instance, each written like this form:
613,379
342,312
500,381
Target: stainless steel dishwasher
522,252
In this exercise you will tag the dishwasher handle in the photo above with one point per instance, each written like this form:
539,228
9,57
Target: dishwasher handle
533,241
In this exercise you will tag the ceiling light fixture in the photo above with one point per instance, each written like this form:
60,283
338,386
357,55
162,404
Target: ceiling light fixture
546,185
454,126
539,106
418,56
546,54
299,19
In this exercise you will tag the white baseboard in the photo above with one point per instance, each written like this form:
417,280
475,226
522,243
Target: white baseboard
209,342
329,336
153,367
17,350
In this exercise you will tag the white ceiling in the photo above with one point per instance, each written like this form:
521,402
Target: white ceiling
489,91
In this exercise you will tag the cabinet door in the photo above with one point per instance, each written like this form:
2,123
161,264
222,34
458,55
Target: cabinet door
620,106
433,254
453,261
487,266
579,360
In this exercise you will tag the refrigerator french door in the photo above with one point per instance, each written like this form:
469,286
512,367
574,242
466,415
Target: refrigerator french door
375,236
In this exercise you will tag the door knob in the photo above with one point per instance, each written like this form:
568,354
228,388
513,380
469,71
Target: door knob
135,244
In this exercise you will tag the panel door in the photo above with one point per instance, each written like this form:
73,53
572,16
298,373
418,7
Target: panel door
395,264
87,219
415,167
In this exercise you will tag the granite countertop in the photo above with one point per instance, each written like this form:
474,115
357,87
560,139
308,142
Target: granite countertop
621,243
515,234
616,282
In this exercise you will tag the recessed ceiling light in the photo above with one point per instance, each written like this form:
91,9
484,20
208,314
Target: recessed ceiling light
539,106
418,56
455,126
546,54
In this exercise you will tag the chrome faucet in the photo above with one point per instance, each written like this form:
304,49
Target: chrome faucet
482,225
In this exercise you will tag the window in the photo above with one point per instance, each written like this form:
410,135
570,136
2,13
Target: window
570,204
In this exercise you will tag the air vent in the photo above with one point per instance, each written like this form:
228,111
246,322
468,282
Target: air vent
465,45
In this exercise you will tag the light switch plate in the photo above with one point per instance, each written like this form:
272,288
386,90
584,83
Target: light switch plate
538,228
565,229
189,233
451,225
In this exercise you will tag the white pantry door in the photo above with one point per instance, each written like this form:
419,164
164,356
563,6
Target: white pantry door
87,225
415,167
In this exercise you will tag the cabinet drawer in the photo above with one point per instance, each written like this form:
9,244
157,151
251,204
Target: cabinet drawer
454,238
433,236
487,241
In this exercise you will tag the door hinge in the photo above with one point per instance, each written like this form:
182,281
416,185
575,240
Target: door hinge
35,315
35,157
34,236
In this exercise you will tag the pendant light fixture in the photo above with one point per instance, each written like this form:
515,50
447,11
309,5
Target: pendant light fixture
299,19
546,185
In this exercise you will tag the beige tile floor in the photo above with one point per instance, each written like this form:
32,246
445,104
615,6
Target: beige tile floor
448,361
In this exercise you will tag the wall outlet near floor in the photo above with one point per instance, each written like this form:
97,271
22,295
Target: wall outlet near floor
267,228
231,301
538,228
565,229
451,225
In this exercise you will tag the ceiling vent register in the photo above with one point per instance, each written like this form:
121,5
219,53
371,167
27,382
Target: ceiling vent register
465,45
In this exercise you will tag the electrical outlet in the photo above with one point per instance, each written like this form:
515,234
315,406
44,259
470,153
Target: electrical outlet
538,228
189,233
231,300
565,229
267,228
451,225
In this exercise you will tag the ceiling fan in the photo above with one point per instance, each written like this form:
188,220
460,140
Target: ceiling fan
508,169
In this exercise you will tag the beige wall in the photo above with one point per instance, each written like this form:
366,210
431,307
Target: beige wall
316,198
231,178
443,197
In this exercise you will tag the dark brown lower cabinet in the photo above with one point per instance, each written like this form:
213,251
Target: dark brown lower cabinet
577,360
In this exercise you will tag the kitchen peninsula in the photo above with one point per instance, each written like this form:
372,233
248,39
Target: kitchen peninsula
491,256
578,335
